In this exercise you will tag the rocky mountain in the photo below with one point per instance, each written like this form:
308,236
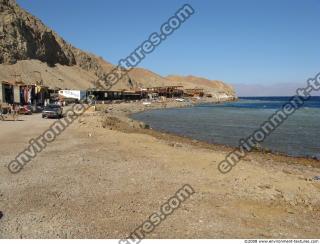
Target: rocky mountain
24,37
30,51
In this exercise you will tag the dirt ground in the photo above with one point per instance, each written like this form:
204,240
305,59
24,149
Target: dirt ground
106,174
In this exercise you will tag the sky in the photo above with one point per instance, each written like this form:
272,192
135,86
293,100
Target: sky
258,46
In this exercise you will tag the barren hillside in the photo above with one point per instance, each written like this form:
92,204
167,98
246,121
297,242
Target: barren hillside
30,51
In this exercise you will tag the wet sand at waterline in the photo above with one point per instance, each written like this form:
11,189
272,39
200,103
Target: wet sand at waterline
106,174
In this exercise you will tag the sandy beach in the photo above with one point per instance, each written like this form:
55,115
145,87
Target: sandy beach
106,174
116,170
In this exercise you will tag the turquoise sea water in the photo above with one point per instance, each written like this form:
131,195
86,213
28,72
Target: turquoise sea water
227,123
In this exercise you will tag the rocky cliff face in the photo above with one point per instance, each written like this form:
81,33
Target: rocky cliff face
23,36
25,40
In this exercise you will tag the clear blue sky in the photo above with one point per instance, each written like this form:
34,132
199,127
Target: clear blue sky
247,41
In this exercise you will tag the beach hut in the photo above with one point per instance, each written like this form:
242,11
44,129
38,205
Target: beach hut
166,91
10,92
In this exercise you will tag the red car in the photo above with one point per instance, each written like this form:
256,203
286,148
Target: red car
26,110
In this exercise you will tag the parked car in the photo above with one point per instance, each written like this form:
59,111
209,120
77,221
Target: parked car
26,110
38,108
52,111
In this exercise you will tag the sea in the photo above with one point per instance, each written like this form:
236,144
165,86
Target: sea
227,123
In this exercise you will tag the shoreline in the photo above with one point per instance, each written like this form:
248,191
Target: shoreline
107,173
124,114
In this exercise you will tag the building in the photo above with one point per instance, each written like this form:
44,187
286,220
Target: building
197,92
16,92
33,94
117,95
166,91
10,92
